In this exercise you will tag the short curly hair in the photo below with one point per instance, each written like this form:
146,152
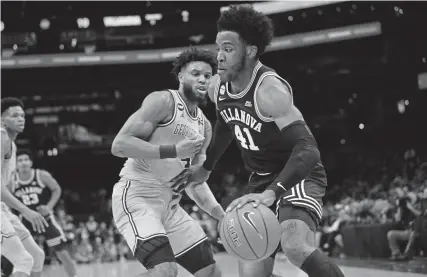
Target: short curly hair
8,102
252,26
194,55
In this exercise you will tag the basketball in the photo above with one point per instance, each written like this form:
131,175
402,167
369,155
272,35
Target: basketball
250,234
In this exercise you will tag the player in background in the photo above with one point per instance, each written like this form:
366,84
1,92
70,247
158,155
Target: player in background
161,140
255,106
39,191
17,245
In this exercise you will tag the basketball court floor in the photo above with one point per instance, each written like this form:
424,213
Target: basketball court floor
229,269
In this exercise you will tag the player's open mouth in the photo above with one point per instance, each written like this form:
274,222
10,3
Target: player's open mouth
201,89
220,70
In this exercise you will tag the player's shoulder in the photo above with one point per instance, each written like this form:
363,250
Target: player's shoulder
213,87
162,99
272,96
43,173
273,89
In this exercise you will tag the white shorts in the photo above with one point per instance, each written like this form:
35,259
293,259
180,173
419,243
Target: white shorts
143,211
11,225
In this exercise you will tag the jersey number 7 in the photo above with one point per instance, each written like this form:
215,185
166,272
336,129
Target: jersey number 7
187,162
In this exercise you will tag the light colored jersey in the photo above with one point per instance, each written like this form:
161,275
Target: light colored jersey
182,126
8,167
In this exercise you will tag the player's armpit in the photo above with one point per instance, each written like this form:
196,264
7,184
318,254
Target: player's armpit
130,142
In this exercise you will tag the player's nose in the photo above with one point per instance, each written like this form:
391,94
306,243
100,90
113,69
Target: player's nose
220,57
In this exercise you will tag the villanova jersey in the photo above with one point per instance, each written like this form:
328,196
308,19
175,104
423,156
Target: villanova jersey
32,192
258,137
182,126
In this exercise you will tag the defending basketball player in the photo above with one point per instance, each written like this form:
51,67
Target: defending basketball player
39,191
161,140
255,106
17,245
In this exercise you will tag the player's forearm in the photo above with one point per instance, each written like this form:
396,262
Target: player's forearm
11,201
304,157
132,147
221,139
56,195
204,198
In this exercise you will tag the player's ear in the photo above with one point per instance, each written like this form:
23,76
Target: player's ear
181,77
251,51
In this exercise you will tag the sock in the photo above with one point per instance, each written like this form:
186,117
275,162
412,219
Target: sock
320,265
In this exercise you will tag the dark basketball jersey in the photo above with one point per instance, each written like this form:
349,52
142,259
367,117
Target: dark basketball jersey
32,193
258,137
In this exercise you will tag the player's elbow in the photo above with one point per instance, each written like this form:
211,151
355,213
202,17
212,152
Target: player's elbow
309,155
117,147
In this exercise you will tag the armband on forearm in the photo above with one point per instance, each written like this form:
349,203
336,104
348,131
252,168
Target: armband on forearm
167,151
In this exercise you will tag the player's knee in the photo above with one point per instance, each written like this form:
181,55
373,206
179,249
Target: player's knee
154,251
294,240
167,269
199,259
23,262
38,258
209,271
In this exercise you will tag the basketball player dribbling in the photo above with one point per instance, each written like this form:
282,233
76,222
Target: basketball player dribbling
39,191
161,140
255,106
17,245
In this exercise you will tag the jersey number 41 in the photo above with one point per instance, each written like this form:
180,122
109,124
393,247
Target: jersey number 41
245,138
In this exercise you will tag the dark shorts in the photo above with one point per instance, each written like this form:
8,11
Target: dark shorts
53,234
303,201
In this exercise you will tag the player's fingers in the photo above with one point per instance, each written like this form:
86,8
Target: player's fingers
34,226
232,205
45,222
256,203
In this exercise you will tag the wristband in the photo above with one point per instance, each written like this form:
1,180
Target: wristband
167,151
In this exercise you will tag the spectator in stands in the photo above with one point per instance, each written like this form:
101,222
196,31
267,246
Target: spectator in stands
91,226
84,252
111,253
99,250
401,231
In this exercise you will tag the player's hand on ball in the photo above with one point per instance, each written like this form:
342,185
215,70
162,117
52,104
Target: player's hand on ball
267,198
37,220
188,148
44,210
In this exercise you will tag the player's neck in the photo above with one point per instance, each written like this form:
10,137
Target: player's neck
243,78
25,175
192,106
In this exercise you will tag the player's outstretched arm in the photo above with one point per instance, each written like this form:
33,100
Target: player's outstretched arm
131,141
275,101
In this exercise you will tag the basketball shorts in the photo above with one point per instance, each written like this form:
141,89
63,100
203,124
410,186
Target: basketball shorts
10,225
142,211
54,234
303,201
